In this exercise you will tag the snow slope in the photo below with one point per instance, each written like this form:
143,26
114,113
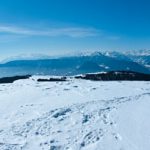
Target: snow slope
74,115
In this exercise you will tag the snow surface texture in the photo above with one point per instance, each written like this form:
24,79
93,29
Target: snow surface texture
74,115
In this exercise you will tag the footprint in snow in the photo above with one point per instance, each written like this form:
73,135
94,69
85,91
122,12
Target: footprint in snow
92,137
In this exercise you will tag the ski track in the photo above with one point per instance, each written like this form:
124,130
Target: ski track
73,127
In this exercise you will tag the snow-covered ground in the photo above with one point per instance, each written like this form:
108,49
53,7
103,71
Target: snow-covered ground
73,115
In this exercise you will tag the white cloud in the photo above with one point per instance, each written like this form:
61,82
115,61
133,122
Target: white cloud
51,32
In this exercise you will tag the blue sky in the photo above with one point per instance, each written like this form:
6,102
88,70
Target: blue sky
59,26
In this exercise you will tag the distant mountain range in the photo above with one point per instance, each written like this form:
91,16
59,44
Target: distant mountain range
138,61
141,57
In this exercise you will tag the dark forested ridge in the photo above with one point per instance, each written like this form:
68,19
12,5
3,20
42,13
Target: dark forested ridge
116,76
12,79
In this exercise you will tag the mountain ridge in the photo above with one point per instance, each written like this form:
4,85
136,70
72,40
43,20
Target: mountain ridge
79,64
